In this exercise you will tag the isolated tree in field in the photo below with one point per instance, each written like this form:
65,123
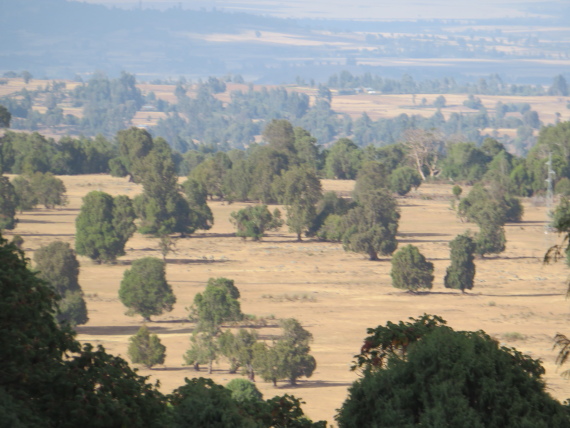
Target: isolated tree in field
490,239
215,306
301,191
289,356
146,348
410,270
371,227
443,377
203,350
461,272
49,190
8,202
238,349
103,226
57,264
253,221
144,289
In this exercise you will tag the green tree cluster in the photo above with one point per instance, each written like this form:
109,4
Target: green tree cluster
461,272
410,270
253,221
39,188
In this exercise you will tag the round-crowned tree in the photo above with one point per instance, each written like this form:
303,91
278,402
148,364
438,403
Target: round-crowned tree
410,270
144,289
146,348
244,390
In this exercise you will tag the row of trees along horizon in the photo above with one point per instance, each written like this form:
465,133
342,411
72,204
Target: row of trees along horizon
199,118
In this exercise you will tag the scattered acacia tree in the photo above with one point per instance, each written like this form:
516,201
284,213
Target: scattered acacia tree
146,348
253,221
461,272
410,270
289,356
103,226
7,204
144,289
410,378
57,265
371,227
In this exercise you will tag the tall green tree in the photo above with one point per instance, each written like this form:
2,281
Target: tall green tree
203,350
103,226
144,289
302,190
216,305
146,349
238,349
5,117
343,160
410,270
461,272
371,227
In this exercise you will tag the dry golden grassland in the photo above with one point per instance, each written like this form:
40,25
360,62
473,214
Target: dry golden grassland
334,294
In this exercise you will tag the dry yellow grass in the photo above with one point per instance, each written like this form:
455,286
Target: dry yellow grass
515,296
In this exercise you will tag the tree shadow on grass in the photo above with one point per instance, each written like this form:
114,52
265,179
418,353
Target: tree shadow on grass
128,330
315,384
177,261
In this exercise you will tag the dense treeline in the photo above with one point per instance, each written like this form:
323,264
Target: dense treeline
200,118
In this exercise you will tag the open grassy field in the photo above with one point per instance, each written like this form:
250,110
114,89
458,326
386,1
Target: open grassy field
334,294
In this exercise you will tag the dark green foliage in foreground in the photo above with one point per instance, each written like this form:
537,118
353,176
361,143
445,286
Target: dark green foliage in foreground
433,376
410,270
58,266
461,272
48,378
146,348
144,289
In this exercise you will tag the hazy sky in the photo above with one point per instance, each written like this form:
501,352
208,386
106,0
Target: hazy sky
354,9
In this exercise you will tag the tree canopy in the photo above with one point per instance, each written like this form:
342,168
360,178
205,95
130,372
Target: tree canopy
448,378
144,289
410,270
